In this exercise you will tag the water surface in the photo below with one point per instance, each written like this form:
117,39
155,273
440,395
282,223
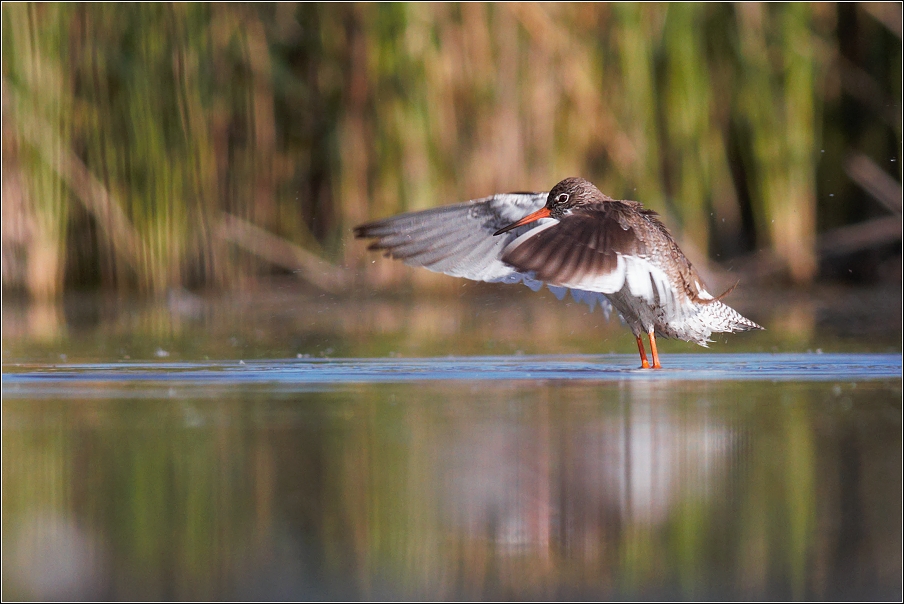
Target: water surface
746,475
289,447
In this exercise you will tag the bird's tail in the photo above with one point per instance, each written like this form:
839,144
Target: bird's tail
723,318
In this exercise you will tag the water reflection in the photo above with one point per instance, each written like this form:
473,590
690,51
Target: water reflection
52,558
459,489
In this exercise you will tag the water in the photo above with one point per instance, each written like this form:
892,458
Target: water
133,468
112,379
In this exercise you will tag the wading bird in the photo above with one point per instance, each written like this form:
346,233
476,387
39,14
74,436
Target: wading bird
573,237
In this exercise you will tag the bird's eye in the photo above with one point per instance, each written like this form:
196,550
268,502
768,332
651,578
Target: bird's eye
562,198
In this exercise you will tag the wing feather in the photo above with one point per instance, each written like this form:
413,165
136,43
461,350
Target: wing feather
458,240
602,249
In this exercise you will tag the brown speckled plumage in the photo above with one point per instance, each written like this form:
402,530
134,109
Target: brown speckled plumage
579,239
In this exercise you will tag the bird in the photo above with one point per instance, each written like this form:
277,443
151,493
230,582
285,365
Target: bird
575,238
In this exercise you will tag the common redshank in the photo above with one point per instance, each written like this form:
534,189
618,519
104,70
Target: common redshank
572,238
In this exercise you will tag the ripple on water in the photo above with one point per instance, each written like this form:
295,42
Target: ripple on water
306,374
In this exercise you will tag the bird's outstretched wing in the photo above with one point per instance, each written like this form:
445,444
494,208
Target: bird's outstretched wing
458,240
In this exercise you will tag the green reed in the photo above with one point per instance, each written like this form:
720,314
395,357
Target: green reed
130,131
36,196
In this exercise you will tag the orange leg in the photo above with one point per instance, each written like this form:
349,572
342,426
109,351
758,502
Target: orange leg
653,350
643,354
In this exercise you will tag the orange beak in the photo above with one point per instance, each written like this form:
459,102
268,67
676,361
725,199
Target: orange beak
541,213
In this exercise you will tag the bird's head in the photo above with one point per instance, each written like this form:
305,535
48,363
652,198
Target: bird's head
568,194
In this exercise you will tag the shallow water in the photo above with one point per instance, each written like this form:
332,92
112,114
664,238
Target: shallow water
289,375
219,452
746,475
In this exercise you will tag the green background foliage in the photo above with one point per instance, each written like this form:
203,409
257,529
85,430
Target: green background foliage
144,144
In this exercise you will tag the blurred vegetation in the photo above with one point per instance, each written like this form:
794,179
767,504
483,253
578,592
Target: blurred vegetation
151,147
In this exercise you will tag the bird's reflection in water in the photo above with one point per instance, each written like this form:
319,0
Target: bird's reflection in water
581,481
